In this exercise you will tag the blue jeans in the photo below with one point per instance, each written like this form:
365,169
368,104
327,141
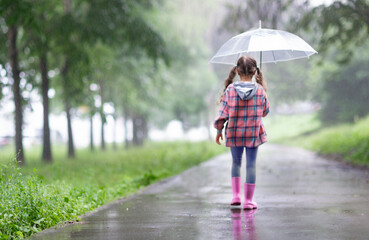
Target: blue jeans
251,154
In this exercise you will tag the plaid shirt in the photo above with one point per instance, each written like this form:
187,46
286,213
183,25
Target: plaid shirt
245,127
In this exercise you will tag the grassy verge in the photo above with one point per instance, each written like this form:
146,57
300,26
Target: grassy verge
346,142
39,195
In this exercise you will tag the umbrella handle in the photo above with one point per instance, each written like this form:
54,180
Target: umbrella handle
261,58
261,52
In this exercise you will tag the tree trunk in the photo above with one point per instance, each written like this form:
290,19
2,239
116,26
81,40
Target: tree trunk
71,153
92,147
102,115
46,152
102,131
64,74
13,55
114,134
145,129
134,130
67,6
138,130
125,113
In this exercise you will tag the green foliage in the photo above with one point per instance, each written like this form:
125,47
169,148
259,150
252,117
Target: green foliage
345,34
351,141
188,82
127,48
341,74
28,205
245,15
39,196
348,142
17,12
147,178
346,92
342,89
289,82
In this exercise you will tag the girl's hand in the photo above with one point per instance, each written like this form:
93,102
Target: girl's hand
217,138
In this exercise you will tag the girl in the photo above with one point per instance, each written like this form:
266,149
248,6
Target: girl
243,105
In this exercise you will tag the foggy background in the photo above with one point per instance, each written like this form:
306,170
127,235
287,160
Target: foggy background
122,77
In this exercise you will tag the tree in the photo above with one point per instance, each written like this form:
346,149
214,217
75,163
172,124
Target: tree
346,92
135,92
16,14
40,39
188,82
343,59
34,43
13,55
114,22
343,35
102,62
46,149
244,15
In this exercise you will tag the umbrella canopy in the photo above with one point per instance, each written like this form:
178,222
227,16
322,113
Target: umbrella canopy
267,45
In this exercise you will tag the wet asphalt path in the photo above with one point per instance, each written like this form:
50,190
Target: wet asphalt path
300,196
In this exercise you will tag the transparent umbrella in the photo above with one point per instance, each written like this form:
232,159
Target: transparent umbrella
266,45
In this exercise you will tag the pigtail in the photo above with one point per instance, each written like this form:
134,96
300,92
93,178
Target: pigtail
260,79
230,78
228,81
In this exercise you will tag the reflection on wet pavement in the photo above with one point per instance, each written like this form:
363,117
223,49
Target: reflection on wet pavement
250,228
237,223
299,195
246,230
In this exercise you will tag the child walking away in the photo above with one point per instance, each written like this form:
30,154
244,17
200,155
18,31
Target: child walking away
243,104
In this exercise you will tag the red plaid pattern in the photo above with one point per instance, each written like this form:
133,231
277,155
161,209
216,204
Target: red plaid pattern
245,127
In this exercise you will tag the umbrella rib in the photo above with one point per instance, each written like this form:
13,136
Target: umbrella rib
285,46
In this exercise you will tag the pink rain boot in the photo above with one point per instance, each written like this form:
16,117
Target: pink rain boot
236,188
249,193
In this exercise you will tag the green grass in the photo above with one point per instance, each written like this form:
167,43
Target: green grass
40,195
347,142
